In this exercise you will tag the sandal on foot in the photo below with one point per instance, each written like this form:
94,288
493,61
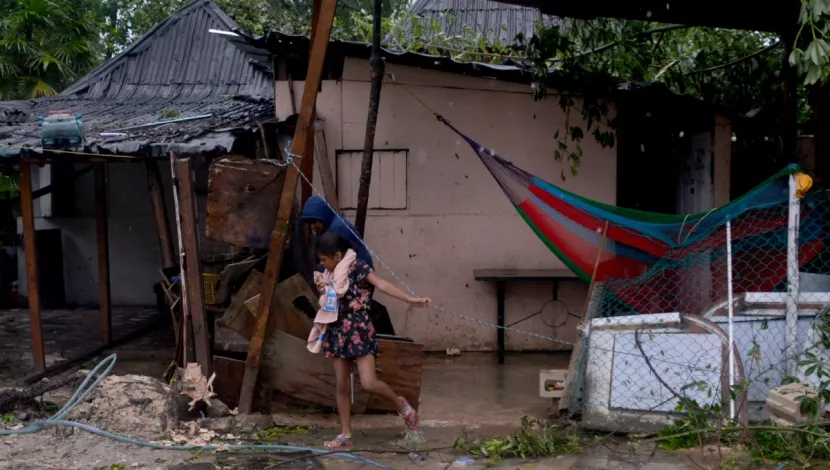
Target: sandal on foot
409,415
342,440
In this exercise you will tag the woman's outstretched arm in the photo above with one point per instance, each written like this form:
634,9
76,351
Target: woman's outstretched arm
387,288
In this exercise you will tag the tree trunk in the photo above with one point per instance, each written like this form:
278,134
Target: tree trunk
377,65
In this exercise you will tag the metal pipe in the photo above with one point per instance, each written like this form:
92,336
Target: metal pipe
794,214
169,121
731,313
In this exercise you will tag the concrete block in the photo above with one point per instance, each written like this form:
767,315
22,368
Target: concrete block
783,403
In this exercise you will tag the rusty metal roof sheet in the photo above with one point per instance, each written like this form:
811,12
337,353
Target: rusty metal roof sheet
177,69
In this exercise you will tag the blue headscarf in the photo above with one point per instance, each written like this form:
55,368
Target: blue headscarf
316,209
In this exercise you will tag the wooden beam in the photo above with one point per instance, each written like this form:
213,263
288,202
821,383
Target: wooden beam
326,173
193,265
308,167
48,189
154,188
102,230
32,279
67,364
325,18
308,163
377,65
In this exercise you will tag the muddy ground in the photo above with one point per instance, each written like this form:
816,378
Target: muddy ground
65,449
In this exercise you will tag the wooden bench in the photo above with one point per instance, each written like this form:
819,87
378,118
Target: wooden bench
502,276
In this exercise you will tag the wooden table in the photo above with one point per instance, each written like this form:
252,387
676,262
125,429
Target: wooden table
501,276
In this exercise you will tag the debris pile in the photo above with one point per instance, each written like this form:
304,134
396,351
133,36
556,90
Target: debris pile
145,408
131,405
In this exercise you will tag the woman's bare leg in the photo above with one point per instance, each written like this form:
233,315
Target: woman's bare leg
369,381
342,370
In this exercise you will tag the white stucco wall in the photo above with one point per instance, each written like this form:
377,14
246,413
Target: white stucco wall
457,218
135,256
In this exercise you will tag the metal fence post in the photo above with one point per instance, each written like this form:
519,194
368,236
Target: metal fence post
794,215
730,309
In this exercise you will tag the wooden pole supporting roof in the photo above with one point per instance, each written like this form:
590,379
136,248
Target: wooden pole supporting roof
102,230
32,278
323,18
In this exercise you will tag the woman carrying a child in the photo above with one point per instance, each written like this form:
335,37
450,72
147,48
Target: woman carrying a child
350,337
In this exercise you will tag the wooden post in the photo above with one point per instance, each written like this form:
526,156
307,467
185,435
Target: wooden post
308,167
577,350
317,54
322,156
308,163
156,192
30,249
102,230
193,266
377,65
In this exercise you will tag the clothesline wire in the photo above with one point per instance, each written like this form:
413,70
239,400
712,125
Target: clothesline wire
663,360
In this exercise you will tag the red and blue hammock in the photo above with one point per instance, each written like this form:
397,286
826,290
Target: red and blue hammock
648,258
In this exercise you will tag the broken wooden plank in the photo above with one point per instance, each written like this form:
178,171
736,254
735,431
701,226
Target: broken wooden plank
295,302
32,279
193,265
237,318
400,365
317,55
242,203
232,273
154,188
302,375
102,233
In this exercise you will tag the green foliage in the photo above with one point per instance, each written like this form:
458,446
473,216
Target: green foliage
729,67
535,439
45,45
136,17
277,432
169,114
812,364
811,54
693,429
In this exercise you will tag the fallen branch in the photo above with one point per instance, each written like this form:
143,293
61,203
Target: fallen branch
12,396
807,431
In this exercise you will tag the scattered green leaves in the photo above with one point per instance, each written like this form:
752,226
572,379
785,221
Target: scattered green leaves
169,114
278,432
534,439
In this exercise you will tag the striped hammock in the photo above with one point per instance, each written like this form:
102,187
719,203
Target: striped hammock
645,253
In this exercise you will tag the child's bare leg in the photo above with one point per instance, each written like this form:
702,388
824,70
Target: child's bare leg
342,369
369,381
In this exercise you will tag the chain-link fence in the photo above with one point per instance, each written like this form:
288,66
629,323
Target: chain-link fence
654,346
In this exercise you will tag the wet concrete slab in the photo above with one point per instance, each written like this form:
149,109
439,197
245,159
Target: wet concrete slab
70,332
470,390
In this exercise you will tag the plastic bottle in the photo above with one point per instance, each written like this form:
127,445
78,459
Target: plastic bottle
331,298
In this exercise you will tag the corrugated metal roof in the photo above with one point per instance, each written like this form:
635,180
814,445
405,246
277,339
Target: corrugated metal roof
600,85
178,67
492,20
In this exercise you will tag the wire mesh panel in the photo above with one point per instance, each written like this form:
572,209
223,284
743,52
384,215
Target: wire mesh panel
658,343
